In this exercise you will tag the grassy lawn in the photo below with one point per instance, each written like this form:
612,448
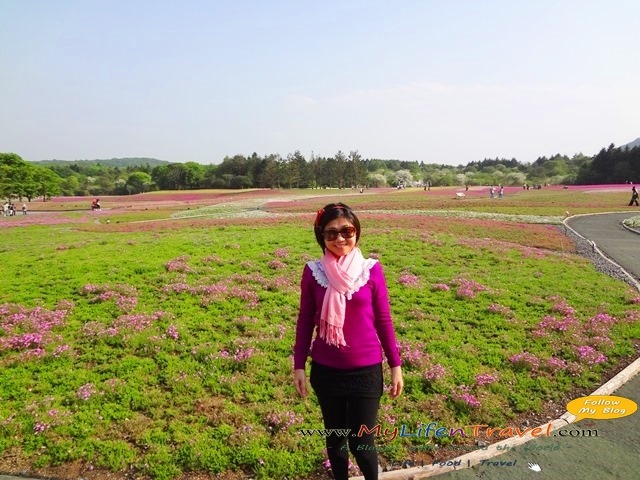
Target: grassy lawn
160,342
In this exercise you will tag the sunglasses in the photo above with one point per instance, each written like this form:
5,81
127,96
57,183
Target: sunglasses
332,233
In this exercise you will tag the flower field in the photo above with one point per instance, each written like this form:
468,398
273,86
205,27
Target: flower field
158,345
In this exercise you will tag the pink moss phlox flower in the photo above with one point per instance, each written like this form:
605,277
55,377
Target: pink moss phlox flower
60,349
178,264
65,304
173,332
91,288
39,428
30,330
125,296
35,353
276,264
279,283
413,357
600,324
408,280
467,288
248,296
243,354
176,288
215,289
554,364
212,259
434,372
126,303
574,369
240,355
590,355
631,316
442,287
463,395
485,379
281,253
86,391
138,321
526,359
600,341
280,422
497,308
561,306
551,324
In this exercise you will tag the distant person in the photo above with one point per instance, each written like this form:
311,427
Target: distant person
501,192
24,208
634,196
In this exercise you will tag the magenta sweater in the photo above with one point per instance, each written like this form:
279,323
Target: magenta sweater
368,327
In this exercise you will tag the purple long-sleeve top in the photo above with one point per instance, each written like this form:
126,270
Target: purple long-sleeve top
368,326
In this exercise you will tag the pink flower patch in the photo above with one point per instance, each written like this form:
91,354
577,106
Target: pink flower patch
408,280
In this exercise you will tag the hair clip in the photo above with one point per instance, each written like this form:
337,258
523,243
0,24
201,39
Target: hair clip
318,217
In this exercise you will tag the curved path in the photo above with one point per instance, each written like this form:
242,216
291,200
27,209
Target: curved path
606,230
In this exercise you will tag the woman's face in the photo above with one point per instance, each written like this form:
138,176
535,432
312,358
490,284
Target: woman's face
340,246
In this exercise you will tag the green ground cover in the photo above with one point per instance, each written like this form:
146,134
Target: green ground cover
164,348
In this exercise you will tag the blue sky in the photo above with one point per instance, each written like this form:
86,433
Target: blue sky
436,81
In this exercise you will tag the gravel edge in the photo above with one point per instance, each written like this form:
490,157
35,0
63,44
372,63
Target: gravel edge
603,264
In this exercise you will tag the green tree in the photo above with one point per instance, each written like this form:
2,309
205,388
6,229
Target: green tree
193,175
139,181
340,169
16,177
46,184
356,170
69,185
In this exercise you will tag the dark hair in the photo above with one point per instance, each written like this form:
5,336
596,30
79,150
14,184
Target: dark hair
331,212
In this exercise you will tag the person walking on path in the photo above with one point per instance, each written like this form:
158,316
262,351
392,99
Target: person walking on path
634,196
344,299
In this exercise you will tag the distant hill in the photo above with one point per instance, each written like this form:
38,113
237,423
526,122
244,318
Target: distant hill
635,143
113,162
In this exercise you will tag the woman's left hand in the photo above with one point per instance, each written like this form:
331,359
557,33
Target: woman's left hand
396,382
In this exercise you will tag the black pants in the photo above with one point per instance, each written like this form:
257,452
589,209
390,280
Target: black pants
349,399
634,199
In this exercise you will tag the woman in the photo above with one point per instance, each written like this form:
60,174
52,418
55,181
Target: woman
344,298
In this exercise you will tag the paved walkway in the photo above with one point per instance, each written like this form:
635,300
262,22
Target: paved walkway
617,242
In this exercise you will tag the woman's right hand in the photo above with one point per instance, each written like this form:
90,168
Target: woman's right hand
300,381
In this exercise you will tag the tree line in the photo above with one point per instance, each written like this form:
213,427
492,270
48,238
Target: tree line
22,179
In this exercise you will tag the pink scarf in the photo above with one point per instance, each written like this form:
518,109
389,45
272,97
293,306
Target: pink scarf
342,274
